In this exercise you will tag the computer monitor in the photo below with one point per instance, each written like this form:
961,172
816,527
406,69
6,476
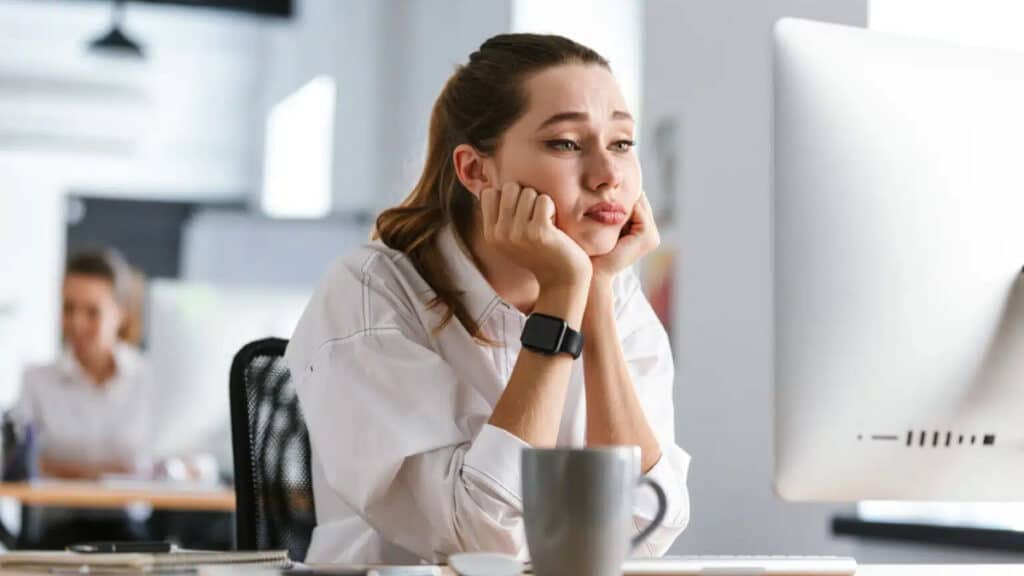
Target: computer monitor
195,329
898,252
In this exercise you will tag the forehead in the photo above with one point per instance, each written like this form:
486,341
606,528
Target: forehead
84,285
587,88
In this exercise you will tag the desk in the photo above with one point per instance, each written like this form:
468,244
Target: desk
99,495
930,570
941,570
925,570
867,570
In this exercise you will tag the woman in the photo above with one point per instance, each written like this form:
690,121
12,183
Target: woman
418,394
91,410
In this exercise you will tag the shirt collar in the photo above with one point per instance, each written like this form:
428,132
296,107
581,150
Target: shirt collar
478,296
125,363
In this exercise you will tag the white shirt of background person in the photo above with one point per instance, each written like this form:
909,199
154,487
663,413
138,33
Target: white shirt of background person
77,422
91,410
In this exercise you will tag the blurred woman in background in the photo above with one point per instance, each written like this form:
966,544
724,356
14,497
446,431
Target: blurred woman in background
89,413
91,410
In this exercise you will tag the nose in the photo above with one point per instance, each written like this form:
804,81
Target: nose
602,171
76,325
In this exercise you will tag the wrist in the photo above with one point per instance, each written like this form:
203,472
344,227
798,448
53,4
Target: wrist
601,284
565,301
600,301
568,278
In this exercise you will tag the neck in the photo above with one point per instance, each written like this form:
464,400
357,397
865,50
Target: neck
513,283
99,366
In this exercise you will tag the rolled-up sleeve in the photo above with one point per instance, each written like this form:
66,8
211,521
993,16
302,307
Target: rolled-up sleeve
408,449
649,358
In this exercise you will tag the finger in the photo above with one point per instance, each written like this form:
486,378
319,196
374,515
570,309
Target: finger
524,209
489,200
646,219
509,199
543,210
644,203
642,214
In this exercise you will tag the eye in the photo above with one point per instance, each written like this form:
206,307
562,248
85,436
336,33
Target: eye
623,145
562,145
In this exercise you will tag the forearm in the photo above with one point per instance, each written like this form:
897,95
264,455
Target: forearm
532,404
614,413
71,470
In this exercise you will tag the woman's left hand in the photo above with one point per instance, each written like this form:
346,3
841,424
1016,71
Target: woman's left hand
639,237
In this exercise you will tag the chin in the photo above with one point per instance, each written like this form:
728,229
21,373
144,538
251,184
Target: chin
599,244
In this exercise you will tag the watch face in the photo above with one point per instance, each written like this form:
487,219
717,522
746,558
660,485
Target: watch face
543,332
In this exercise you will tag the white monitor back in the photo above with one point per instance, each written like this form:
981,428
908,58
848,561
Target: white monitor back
195,331
898,247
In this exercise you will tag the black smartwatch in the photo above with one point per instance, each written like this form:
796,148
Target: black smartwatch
550,335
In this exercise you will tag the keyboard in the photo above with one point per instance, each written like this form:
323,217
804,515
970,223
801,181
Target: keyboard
741,566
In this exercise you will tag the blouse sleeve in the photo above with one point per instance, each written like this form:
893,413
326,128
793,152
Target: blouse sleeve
648,354
401,440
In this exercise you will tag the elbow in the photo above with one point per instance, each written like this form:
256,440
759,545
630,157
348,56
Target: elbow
677,515
486,520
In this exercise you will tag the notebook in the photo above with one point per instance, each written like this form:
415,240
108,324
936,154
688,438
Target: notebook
173,561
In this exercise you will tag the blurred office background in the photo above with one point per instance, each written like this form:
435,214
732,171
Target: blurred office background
246,143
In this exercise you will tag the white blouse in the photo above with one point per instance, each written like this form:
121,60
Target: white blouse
76,421
405,465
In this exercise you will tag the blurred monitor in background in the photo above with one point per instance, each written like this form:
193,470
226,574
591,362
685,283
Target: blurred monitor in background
194,332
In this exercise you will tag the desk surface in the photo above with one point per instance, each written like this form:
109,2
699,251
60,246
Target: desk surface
940,570
100,495
866,570
904,570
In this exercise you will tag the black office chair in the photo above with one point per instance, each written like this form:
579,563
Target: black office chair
273,472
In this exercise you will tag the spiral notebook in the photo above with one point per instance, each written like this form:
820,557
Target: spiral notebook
173,561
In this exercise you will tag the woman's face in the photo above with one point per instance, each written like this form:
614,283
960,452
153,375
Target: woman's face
91,316
575,144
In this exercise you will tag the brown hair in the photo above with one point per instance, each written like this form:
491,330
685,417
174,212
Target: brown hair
127,284
478,103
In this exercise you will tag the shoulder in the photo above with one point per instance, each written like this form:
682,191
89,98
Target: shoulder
36,376
372,288
133,365
40,381
371,265
627,290
633,312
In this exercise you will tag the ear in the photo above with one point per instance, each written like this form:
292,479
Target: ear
474,170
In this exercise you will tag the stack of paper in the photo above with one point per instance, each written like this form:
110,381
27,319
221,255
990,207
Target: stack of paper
173,561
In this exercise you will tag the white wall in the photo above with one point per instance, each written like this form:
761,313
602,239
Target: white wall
390,59
32,241
708,65
992,23
175,125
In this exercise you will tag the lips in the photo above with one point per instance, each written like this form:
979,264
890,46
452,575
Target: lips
607,213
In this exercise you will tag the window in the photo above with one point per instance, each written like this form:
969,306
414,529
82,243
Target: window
993,23
299,152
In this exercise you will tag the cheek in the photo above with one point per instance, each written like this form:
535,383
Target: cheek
542,172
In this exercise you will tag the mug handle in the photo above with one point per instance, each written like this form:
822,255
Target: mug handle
658,518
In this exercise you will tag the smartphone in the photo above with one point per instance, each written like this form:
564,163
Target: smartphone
126,547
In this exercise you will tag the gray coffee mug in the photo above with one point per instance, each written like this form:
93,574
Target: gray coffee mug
578,509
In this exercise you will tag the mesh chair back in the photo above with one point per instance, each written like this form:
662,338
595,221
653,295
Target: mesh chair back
273,472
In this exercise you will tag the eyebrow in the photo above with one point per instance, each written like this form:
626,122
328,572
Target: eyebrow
579,117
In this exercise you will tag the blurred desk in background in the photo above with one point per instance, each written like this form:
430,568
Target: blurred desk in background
158,495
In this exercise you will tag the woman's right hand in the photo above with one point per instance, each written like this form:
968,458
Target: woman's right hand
520,223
